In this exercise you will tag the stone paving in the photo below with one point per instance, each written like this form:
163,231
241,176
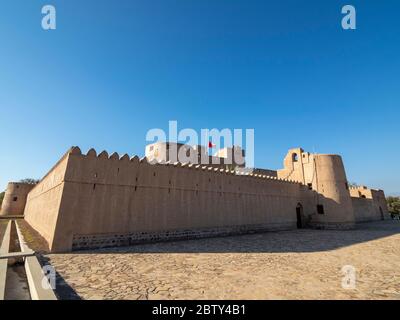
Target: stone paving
300,264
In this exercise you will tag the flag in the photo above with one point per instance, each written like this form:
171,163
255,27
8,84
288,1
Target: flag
210,144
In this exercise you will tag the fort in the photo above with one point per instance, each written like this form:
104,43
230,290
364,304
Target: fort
98,200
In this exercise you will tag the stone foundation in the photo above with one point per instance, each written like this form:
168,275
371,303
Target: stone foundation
333,226
97,241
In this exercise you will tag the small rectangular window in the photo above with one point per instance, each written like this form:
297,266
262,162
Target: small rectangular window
15,199
320,209
309,186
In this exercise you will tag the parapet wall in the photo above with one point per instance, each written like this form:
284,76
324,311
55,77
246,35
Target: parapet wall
107,200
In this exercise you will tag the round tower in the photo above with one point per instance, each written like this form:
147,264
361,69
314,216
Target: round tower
334,206
15,199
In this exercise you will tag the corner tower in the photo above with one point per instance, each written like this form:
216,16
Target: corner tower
326,176
15,198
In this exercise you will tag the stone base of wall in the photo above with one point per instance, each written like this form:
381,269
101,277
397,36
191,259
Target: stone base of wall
97,241
332,226
370,219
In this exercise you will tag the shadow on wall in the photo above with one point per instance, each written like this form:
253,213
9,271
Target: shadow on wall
303,240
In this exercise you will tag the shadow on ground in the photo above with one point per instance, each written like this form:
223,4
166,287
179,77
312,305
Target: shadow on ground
63,290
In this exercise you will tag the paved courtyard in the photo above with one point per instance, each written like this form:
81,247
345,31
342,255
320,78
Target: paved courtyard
301,264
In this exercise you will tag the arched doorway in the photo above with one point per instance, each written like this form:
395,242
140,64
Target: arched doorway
381,212
299,214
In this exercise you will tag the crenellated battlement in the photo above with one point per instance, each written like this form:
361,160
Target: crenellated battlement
125,158
358,187
364,188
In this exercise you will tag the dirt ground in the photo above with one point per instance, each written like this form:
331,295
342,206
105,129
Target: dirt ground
300,264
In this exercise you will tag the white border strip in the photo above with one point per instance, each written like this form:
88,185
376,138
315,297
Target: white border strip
37,280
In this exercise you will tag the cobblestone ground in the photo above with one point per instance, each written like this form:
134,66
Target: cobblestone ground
303,264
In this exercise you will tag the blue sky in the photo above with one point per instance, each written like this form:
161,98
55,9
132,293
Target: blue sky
115,69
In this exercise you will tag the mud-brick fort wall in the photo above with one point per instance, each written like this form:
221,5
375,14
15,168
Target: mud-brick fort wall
369,204
96,200
44,201
15,199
